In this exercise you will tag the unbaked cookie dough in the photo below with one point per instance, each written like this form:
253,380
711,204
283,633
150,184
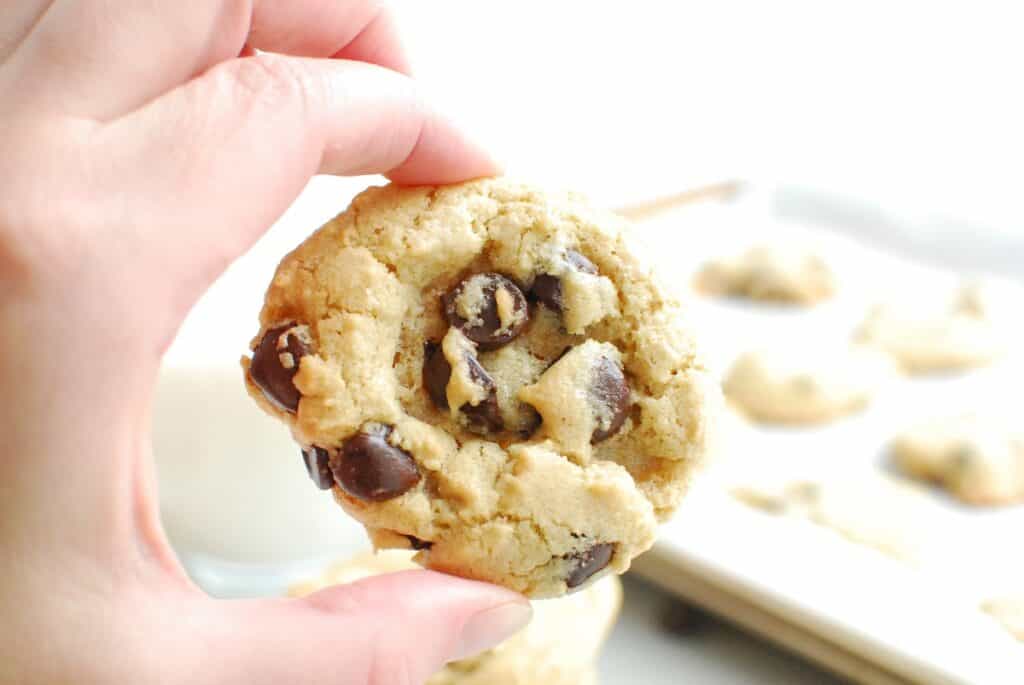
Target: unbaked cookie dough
979,459
968,330
806,384
485,373
560,646
783,272
1009,611
876,511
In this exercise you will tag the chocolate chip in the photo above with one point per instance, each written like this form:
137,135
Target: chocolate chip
609,387
418,544
275,363
579,262
530,420
436,372
588,562
369,468
485,417
557,359
548,289
318,466
477,298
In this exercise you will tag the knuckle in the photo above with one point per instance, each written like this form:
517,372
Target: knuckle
25,242
39,237
269,79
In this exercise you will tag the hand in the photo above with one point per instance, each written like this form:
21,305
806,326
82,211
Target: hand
144,146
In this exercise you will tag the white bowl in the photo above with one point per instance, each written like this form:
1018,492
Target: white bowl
235,498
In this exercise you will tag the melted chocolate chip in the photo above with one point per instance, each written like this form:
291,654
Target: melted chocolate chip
436,372
530,421
588,562
275,363
547,289
485,326
317,464
485,417
609,387
579,262
559,357
369,468
418,544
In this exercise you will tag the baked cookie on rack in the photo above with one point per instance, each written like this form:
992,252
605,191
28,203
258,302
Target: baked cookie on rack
964,331
806,383
877,511
560,646
978,459
485,373
784,272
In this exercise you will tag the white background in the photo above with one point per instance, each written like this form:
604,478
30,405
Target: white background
920,102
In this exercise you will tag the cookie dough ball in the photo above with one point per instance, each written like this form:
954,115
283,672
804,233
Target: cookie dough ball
806,384
978,459
485,373
962,331
560,646
784,273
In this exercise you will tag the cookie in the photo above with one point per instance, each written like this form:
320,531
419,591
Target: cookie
784,273
963,331
901,521
806,384
485,373
979,459
1009,611
540,653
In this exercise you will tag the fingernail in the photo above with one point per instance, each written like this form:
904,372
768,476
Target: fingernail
493,626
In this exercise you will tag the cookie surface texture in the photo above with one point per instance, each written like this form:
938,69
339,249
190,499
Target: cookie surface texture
484,373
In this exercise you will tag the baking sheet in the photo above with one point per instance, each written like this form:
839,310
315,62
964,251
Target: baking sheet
919,620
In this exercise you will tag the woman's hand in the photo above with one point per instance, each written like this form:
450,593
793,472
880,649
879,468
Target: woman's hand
144,146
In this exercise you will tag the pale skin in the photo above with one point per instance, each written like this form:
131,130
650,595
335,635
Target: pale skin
143,147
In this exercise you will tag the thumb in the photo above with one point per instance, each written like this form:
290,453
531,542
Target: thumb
238,144
396,629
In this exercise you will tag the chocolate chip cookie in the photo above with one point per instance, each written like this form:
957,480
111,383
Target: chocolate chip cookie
783,273
806,384
979,459
964,330
540,653
901,521
484,373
